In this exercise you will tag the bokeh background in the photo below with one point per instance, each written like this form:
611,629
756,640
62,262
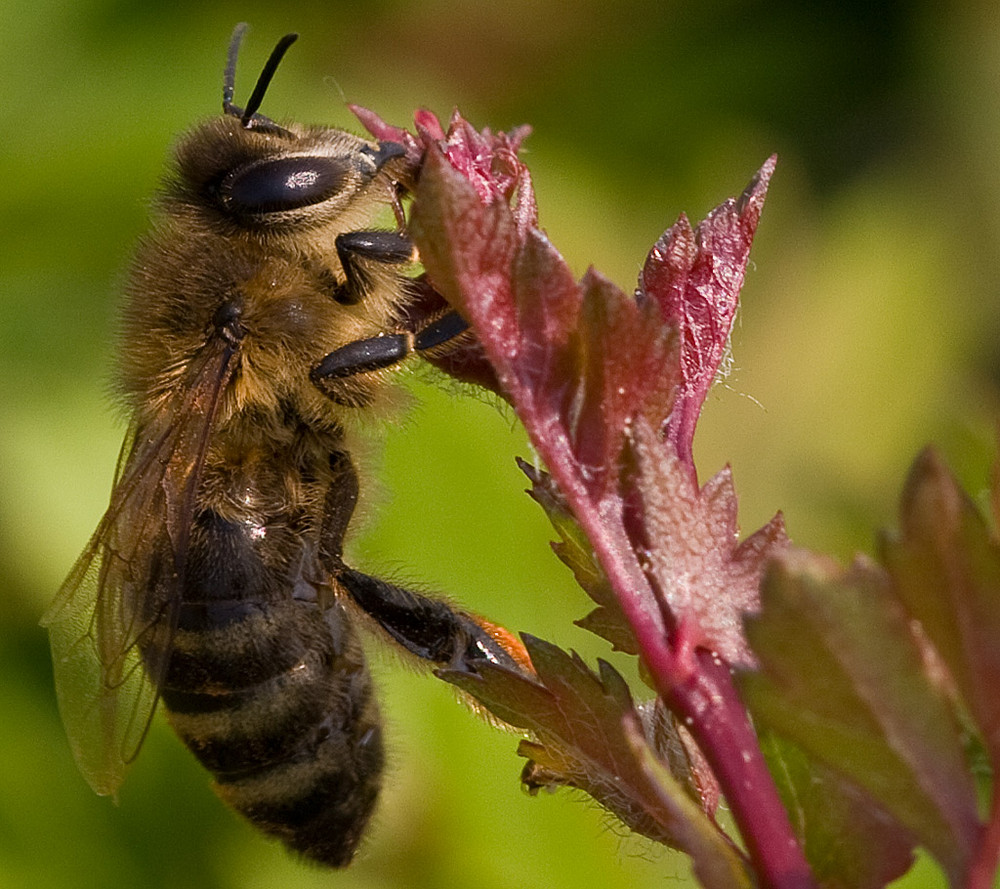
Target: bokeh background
868,329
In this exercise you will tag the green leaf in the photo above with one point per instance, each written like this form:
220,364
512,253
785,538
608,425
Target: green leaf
843,677
945,568
575,551
849,841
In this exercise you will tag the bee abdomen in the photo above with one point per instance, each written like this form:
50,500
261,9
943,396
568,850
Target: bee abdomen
318,805
277,703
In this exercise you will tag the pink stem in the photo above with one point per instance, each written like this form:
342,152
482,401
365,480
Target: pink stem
710,708
696,686
984,865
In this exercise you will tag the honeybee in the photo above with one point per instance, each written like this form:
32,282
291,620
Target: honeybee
261,313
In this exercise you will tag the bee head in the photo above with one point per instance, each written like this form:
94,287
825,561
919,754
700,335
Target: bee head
246,173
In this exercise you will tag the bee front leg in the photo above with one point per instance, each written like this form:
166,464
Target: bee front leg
354,249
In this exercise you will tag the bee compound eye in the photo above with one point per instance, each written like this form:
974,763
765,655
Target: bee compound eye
286,183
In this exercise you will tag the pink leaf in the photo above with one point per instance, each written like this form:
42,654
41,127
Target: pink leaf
695,277
705,576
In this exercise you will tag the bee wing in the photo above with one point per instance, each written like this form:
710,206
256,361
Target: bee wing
112,622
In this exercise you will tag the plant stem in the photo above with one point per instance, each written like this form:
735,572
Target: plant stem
984,865
709,707
698,688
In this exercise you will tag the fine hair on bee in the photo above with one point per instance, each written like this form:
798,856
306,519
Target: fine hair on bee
263,310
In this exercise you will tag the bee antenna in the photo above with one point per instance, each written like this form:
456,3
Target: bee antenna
248,116
229,78
257,96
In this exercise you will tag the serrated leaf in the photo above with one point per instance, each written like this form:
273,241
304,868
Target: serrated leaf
575,551
842,676
695,277
716,863
705,575
580,720
608,623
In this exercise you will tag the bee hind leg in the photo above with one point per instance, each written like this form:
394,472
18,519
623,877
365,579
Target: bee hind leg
430,628
427,627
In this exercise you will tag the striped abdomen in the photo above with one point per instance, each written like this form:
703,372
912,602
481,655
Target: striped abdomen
271,693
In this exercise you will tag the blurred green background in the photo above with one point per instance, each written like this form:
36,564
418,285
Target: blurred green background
868,329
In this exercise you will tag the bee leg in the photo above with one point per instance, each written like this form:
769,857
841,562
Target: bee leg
338,507
379,352
355,248
429,628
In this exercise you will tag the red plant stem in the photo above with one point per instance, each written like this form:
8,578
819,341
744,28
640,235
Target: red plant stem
708,705
697,686
984,865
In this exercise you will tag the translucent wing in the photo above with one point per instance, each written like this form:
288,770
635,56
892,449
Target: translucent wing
112,622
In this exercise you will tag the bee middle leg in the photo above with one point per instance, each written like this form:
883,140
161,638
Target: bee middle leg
380,352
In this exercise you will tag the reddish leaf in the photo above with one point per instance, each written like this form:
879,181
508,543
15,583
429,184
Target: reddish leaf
386,132
545,293
488,161
626,357
577,360
706,577
547,301
468,250
843,677
695,277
